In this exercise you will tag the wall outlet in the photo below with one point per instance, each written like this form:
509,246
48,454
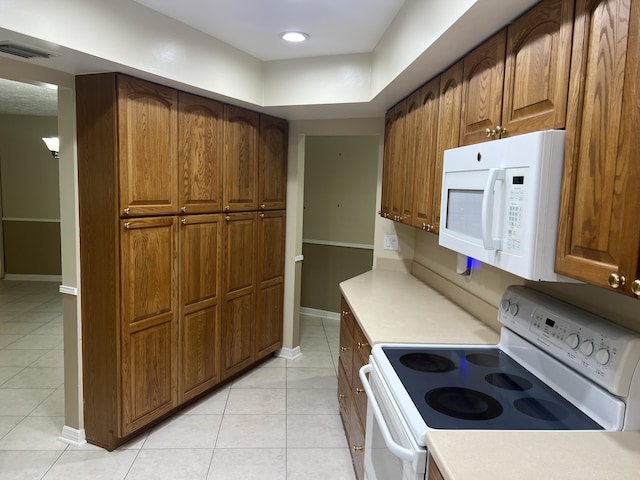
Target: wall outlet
391,242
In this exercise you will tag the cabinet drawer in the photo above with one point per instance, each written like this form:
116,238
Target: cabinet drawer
344,397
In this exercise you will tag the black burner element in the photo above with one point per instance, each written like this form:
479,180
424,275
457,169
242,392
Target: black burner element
463,403
508,381
542,409
484,359
427,362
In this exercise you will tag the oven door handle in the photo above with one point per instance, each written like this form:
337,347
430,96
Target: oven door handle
397,450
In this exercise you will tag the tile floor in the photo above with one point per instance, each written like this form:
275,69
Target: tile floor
279,421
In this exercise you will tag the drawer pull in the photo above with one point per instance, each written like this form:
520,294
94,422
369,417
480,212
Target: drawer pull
357,449
362,344
359,390
341,396
344,349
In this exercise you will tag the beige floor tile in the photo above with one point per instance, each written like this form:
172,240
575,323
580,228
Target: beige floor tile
19,358
319,464
7,373
312,330
316,401
311,378
36,342
314,344
269,401
185,431
53,406
7,422
6,340
262,378
312,360
315,431
212,404
252,431
19,401
172,464
50,328
35,433
53,358
14,327
274,362
26,465
248,464
36,377
93,465
33,316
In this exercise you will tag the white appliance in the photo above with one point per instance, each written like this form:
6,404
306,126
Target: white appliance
556,368
500,202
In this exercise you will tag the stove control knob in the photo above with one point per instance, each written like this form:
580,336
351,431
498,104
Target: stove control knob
513,309
506,304
587,347
603,356
573,340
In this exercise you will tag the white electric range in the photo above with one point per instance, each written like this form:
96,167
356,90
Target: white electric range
556,368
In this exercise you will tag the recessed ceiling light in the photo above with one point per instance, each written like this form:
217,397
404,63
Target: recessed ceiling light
294,36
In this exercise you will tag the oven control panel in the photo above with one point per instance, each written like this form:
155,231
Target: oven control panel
602,351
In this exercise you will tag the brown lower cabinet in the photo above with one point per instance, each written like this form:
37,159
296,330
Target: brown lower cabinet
354,353
434,471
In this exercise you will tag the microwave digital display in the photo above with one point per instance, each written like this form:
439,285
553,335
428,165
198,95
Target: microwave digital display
519,180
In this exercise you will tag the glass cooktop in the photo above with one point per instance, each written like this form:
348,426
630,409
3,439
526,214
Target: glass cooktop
481,389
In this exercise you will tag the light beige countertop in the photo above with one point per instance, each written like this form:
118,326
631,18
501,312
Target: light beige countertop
499,455
396,307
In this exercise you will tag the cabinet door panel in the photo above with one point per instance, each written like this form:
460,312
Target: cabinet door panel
397,160
598,229
272,179
271,246
240,171
147,130
483,76
149,315
537,68
449,110
200,351
238,333
269,318
200,140
200,249
423,177
385,201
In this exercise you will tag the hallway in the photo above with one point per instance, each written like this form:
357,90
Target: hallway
279,421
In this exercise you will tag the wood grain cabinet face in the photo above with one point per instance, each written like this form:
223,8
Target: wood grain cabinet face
422,147
394,163
147,130
272,161
483,76
200,254
200,150
240,170
598,233
537,68
149,318
269,311
239,292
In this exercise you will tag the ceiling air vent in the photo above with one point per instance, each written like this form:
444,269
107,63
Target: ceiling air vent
20,51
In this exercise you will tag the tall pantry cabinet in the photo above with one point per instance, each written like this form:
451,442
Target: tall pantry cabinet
169,283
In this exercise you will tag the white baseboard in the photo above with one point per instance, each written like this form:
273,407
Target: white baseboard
32,278
289,353
73,436
314,312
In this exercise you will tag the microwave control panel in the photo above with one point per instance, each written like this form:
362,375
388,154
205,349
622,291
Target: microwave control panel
515,211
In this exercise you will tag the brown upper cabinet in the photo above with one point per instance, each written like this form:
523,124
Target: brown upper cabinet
394,165
200,150
147,148
599,232
517,81
240,171
272,161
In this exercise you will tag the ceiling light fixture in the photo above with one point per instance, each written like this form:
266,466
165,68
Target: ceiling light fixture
294,36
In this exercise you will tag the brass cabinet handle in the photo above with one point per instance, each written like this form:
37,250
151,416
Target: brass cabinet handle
227,208
489,132
362,344
341,395
227,218
359,390
500,131
127,211
357,449
344,349
184,221
344,313
635,288
617,281
127,225
183,209
262,215
262,205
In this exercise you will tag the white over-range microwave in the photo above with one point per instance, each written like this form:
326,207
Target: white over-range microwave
500,202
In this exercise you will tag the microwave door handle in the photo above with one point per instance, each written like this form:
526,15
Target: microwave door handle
397,450
486,219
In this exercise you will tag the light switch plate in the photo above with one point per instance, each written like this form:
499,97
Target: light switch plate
391,242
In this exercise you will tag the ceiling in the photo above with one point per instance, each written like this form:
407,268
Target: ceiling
18,98
335,27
